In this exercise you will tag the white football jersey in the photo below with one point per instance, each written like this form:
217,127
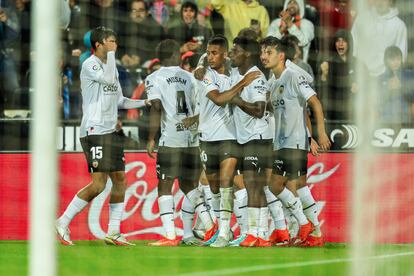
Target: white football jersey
101,94
215,122
249,128
174,87
289,96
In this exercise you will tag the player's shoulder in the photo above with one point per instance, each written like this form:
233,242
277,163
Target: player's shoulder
91,64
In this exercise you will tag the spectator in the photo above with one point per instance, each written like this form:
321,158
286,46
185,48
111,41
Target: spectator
139,36
292,22
297,58
396,92
240,14
338,79
375,30
190,35
9,32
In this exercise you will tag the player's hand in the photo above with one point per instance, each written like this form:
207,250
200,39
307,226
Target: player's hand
251,77
314,148
150,148
189,121
324,142
199,72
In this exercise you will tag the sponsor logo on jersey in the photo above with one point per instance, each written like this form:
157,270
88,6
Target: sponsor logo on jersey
110,88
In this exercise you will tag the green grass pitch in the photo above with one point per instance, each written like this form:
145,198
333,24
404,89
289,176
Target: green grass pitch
95,258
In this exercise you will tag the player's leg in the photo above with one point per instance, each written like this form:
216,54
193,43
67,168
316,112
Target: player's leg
187,216
96,150
240,207
311,212
227,159
168,162
78,203
188,181
116,209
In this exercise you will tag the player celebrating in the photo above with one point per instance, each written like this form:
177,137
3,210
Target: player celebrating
252,135
172,96
291,93
218,132
102,96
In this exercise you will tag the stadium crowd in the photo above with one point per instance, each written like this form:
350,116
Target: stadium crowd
328,35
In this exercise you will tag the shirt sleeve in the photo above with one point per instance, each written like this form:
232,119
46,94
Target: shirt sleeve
153,92
304,88
209,83
260,88
105,75
126,103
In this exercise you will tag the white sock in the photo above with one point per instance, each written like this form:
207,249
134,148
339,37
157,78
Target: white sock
264,223
226,209
208,196
166,204
293,204
187,215
215,204
115,215
253,218
197,200
292,223
75,206
309,207
240,210
275,208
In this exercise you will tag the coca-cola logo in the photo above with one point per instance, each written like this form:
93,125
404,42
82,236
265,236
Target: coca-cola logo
142,206
144,197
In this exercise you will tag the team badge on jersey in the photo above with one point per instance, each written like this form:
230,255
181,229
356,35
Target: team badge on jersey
95,67
95,163
207,81
280,89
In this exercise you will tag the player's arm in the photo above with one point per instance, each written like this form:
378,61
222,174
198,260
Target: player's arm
223,98
154,125
323,139
255,109
127,103
105,76
314,146
269,106
189,121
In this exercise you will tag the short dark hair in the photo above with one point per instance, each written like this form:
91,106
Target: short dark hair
247,44
248,33
219,40
392,52
191,5
167,48
284,45
99,34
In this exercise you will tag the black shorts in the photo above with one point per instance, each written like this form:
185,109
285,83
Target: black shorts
212,153
104,153
291,163
181,163
254,156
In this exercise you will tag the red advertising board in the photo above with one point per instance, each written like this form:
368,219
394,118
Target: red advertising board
330,178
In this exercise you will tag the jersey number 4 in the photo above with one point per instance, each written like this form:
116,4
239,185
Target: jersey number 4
182,108
96,152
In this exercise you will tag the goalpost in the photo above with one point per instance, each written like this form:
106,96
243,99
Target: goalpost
43,132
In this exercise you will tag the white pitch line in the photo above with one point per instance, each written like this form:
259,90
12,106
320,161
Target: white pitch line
229,271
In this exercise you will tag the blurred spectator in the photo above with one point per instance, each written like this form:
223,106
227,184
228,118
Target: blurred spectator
240,14
396,90
297,58
374,30
292,22
190,35
160,12
338,78
139,36
9,33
